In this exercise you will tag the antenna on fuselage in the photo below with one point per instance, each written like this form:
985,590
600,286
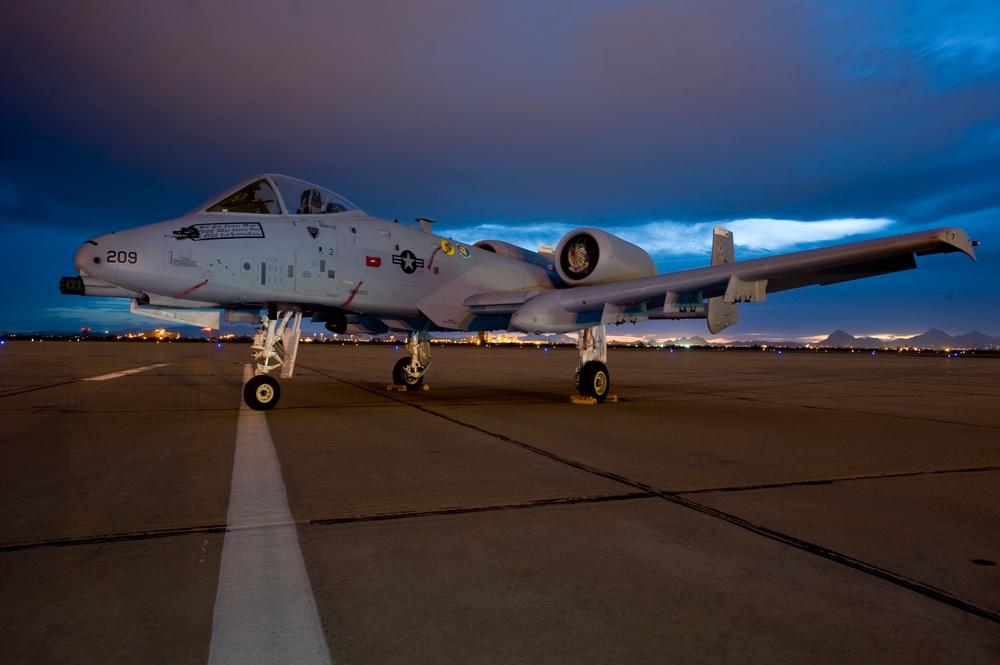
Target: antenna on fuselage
425,224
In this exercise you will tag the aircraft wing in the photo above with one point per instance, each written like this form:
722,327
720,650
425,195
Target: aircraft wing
715,291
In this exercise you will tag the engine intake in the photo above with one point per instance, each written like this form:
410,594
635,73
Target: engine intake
592,256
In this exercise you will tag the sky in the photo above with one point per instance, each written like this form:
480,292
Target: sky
795,124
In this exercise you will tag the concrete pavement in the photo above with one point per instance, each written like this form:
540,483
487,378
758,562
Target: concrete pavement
734,506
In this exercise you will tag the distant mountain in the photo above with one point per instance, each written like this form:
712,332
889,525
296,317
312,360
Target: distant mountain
839,339
690,341
693,341
937,339
754,343
976,340
932,339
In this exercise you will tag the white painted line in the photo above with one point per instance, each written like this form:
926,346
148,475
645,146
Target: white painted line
264,608
105,377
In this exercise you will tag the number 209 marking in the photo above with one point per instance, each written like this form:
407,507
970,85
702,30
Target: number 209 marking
123,257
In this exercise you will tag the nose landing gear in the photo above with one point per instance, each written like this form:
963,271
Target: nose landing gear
275,345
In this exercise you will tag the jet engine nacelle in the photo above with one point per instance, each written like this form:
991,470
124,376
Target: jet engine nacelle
506,249
592,256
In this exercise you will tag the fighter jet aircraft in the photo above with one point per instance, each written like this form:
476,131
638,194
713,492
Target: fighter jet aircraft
288,248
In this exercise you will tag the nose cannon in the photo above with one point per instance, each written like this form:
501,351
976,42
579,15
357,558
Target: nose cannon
87,262
72,286
83,285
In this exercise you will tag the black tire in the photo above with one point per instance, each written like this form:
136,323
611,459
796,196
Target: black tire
261,393
595,381
401,377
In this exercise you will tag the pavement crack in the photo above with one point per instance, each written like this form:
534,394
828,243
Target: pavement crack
831,555
562,501
114,537
832,481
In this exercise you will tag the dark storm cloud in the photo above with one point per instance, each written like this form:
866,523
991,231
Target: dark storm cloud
577,112
696,110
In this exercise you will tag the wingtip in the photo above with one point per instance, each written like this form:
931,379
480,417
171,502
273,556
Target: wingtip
960,240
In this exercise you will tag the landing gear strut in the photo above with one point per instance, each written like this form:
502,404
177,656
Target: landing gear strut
276,344
592,377
409,372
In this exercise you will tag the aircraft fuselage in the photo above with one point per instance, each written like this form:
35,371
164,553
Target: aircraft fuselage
348,262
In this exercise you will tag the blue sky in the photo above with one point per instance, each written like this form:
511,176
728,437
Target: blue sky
795,124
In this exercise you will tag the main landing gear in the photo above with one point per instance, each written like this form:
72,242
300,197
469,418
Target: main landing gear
276,344
409,372
592,377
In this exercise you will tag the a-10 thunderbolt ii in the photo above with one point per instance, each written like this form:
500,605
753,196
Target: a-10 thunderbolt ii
288,248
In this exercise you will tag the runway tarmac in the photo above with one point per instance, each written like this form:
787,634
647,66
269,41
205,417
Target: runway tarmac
733,506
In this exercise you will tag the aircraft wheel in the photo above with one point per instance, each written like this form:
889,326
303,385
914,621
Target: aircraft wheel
595,380
261,393
402,375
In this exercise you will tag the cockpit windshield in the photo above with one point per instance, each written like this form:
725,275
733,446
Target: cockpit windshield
257,198
303,198
293,197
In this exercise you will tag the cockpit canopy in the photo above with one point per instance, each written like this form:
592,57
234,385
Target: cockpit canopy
273,194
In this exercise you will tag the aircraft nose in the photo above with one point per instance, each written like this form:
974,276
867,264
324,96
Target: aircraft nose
88,258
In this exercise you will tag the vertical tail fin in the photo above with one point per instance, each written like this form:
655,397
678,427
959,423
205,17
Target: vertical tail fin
722,310
721,314
722,247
